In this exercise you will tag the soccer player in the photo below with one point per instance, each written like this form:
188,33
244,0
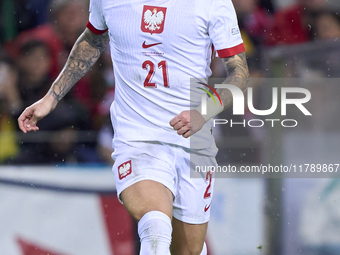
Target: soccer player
156,47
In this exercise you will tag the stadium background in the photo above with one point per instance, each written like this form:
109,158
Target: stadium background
57,193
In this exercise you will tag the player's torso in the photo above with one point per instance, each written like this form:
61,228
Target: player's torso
167,35
157,46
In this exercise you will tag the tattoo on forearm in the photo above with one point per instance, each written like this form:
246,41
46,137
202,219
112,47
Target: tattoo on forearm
84,54
238,75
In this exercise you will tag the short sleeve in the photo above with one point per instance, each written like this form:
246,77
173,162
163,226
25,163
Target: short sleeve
224,30
96,22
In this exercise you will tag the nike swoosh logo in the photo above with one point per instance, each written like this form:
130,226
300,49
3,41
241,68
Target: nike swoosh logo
145,46
206,208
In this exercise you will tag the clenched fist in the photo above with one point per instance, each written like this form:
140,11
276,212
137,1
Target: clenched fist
188,123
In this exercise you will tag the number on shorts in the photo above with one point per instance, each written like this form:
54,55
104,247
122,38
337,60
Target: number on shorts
207,193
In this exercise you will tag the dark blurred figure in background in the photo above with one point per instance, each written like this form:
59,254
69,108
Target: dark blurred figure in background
294,24
63,146
10,106
326,31
103,89
33,63
17,16
67,20
40,53
326,25
255,18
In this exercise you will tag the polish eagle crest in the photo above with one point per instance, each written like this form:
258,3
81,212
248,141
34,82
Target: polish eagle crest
153,19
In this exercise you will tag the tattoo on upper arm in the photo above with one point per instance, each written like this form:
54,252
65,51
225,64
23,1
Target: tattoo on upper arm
84,54
237,70
238,75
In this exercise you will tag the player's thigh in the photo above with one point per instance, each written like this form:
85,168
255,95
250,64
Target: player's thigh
187,239
195,189
145,196
145,180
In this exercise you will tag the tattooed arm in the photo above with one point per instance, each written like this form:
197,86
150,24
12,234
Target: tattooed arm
189,122
238,75
84,54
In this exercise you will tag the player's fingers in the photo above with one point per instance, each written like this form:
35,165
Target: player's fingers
31,126
22,120
187,134
179,125
21,124
26,124
183,130
174,121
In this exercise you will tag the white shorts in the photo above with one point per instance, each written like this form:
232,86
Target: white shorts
174,167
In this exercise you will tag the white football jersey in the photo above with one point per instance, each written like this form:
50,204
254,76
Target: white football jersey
156,47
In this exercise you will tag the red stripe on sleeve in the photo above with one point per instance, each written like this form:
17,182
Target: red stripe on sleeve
226,53
95,30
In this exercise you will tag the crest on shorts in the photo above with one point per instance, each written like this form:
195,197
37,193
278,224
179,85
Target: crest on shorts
124,169
153,19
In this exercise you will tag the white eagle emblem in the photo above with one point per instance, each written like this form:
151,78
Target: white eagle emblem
153,19
124,170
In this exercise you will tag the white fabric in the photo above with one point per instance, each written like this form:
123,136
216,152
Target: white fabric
96,15
204,250
189,28
223,25
154,230
174,167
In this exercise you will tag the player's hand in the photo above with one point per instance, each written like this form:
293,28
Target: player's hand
32,114
187,123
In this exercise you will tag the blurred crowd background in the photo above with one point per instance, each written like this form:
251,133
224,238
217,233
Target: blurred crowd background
36,37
